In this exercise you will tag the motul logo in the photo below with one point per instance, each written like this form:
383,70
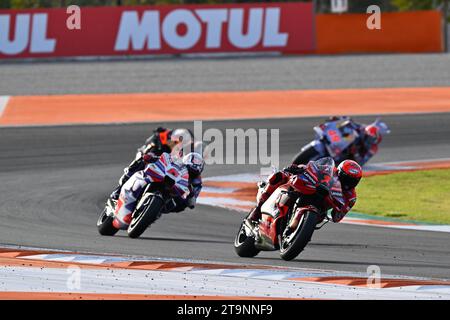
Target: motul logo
150,30
30,32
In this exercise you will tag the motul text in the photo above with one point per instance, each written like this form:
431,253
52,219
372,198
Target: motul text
283,27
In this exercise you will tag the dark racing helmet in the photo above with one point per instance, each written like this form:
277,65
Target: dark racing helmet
349,173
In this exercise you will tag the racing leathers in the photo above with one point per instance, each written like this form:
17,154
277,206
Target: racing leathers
153,147
132,191
280,178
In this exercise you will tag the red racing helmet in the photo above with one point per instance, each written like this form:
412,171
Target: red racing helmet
372,135
349,173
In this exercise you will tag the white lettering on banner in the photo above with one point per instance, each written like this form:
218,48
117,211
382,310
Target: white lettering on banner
214,20
21,34
39,42
192,35
263,28
272,35
235,32
130,30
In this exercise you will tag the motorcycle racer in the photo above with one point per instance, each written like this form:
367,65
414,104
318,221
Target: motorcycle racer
162,140
195,165
362,141
348,172
132,190
366,146
368,139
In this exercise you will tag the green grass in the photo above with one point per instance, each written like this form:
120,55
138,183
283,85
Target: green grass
420,196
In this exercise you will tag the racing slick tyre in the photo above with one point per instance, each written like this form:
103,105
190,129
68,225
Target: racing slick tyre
305,155
145,217
293,244
104,224
245,245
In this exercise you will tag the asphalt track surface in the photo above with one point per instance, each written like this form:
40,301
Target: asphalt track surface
263,73
54,181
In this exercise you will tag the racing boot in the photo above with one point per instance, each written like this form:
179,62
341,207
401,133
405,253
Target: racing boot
255,214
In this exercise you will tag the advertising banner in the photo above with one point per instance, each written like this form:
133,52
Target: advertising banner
153,30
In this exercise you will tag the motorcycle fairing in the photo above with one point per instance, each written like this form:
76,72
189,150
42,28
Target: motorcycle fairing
270,206
336,135
166,167
273,210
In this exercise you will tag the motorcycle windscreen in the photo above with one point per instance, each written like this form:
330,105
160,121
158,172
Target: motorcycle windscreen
324,170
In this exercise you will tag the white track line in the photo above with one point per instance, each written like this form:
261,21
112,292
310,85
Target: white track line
3,103
275,282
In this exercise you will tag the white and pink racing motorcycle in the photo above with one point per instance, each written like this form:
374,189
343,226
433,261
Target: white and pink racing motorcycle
168,177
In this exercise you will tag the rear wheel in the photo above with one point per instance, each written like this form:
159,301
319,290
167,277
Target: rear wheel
292,244
104,224
305,155
146,215
244,245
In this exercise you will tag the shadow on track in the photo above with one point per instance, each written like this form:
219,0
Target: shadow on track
175,239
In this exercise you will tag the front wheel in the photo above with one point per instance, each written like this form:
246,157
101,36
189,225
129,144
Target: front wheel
244,244
104,224
294,243
146,215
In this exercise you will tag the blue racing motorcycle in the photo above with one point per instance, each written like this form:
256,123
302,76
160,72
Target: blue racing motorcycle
335,139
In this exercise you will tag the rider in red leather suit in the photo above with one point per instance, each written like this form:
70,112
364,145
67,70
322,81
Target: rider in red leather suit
349,173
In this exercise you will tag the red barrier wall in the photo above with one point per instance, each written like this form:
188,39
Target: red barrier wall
282,27
108,31
419,31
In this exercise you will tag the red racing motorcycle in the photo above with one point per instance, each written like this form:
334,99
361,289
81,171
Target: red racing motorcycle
292,213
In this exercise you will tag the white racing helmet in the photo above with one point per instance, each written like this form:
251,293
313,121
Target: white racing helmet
182,141
194,161
181,135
